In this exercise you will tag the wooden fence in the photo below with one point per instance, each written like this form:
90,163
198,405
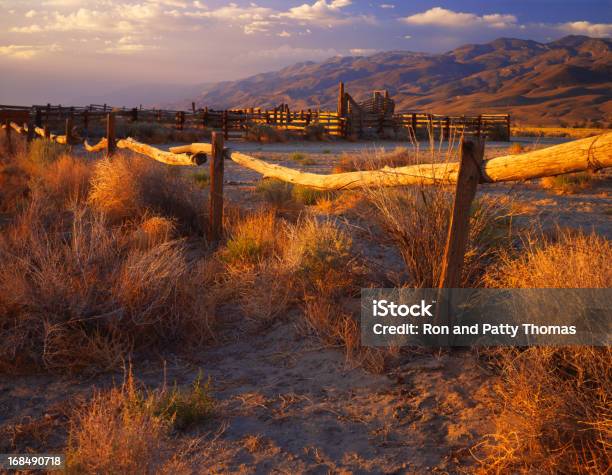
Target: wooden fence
593,153
373,118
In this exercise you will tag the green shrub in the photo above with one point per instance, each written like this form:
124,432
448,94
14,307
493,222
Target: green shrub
309,196
275,191
202,178
186,408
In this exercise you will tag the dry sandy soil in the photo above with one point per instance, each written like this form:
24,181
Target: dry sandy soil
289,405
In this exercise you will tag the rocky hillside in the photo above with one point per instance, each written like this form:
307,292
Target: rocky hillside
565,81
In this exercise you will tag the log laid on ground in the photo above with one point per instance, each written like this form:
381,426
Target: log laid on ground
592,153
168,158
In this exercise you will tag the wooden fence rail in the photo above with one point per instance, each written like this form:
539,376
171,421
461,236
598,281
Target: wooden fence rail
592,153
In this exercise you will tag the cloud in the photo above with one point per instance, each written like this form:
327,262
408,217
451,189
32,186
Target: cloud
321,12
386,5
24,52
284,34
438,16
30,14
602,30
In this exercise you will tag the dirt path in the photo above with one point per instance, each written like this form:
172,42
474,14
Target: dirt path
289,406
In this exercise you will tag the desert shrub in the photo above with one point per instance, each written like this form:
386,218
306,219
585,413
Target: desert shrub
152,232
555,415
252,239
568,183
417,218
75,296
275,192
128,187
307,195
186,407
264,133
316,247
567,260
45,151
315,132
66,180
202,178
114,433
128,429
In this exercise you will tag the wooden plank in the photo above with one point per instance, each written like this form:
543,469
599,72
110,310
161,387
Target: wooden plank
468,177
215,217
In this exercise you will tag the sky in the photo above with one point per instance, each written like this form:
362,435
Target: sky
66,51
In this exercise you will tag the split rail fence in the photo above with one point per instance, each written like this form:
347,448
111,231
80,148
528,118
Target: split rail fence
593,153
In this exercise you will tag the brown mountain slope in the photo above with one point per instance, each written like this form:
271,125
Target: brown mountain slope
568,80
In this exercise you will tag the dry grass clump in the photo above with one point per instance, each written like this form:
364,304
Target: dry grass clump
128,187
417,218
567,260
75,295
570,132
276,192
264,133
569,183
252,239
315,132
556,415
152,232
45,151
128,429
377,159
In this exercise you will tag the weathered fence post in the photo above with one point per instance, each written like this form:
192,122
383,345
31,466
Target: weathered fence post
134,114
216,188
469,175
479,132
7,133
225,125
205,117
508,127
47,132
193,109
111,146
414,124
447,127
86,123
38,117
69,131
31,131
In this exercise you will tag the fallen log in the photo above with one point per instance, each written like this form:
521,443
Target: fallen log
99,147
592,153
168,158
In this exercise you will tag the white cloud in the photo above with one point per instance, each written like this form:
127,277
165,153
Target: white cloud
438,16
30,14
24,52
602,30
320,12
284,34
386,5
200,5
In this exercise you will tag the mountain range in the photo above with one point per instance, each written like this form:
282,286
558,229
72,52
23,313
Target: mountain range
568,80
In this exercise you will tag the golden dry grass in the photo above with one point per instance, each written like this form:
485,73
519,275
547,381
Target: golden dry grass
555,415
128,186
570,132
129,429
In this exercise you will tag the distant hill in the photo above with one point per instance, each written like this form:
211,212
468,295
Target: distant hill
568,80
